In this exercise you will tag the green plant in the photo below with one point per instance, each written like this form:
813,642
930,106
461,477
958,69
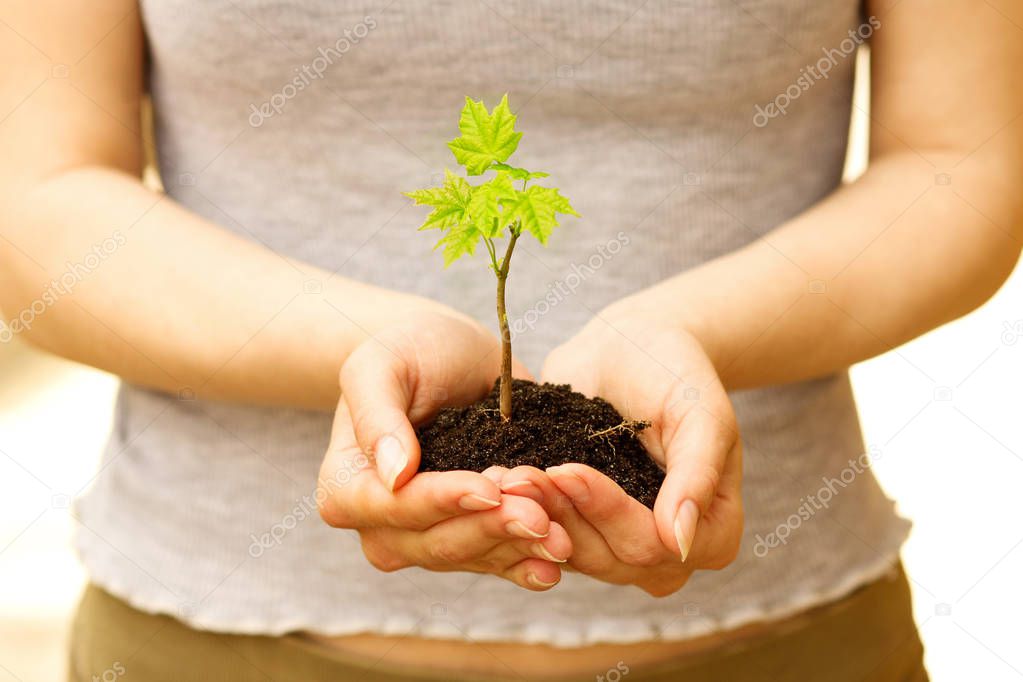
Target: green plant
469,214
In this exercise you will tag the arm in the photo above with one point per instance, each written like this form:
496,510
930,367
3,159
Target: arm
181,303
898,253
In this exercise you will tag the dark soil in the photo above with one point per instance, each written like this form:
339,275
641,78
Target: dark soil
551,424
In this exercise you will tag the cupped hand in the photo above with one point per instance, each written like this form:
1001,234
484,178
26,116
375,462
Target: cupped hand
655,371
442,521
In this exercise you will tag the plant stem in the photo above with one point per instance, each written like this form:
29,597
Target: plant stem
502,319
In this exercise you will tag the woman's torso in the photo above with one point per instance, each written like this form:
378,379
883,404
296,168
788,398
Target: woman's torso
644,112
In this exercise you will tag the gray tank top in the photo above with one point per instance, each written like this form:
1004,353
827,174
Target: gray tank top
297,123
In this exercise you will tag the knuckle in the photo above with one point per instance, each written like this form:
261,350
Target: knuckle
488,565
662,588
595,565
642,555
449,554
516,508
674,398
601,511
332,513
362,421
380,556
717,562
725,554
438,498
705,482
393,516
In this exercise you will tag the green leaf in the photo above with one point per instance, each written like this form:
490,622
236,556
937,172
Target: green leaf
467,214
536,210
459,241
518,173
485,206
450,202
486,137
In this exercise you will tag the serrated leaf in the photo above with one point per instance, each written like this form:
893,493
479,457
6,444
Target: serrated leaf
518,173
485,207
487,137
536,210
450,202
459,241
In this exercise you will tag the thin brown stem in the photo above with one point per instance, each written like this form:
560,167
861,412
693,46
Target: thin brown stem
502,319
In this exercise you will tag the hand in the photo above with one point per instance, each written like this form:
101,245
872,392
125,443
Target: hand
442,521
651,371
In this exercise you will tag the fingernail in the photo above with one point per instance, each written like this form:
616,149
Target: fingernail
685,526
518,529
524,488
474,502
391,460
545,553
570,484
536,582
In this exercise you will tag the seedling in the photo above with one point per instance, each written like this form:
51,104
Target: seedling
553,423
470,214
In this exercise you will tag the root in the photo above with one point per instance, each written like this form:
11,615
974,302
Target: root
628,427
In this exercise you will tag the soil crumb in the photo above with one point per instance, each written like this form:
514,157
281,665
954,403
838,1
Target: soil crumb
551,425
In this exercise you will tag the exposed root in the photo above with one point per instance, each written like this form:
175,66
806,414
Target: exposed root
628,427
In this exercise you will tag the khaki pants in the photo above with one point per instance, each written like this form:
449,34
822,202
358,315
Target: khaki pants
868,636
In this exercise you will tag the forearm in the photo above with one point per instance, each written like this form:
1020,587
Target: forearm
855,275
174,302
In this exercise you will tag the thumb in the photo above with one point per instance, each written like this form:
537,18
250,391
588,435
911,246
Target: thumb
375,387
696,450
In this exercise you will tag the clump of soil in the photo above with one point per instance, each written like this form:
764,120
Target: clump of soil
551,425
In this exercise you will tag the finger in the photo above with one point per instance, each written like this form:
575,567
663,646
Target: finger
528,481
696,445
533,574
464,543
376,386
351,494
718,543
556,548
518,481
590,552
626,525
495,473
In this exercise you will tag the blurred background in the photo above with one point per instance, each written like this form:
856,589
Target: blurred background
941,415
